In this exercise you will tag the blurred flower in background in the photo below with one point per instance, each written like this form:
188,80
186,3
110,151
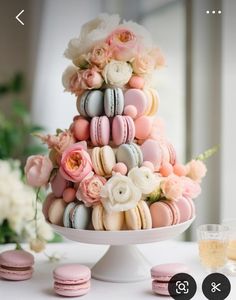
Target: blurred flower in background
20,219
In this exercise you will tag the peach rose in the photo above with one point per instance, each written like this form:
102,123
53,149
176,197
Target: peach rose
196,170
143,64
172,187
123,43
91,79
75,85
100,55
75,163
90,188
191,188
37,170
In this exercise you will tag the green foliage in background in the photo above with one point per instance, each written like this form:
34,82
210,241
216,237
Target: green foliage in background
16,125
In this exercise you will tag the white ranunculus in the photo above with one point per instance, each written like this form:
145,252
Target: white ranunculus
117,73
67,75
91,33
143,178
120,194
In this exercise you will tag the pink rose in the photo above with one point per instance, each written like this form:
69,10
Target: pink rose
91,79
172,187
143,64
89,189
196,170
75,85
100,55
37,170
191,189
75,163
124,44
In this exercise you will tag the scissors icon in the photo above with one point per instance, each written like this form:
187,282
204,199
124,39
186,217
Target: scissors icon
215,287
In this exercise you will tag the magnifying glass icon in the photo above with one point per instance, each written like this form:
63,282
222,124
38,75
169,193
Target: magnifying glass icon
182,287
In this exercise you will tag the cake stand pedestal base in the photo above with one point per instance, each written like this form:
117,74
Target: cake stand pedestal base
122,264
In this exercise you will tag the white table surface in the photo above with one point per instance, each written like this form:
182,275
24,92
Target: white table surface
40,286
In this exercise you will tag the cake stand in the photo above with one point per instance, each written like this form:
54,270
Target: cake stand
123,262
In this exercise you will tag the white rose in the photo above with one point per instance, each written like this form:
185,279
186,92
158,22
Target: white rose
117,73
67,75
92,32
143,178
120,194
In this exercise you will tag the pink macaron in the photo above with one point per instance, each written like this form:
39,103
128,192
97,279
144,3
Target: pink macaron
123,130
186,208
80,129
16,265
71,280
152,152
100,131
162,274
137,98
58,185
143,127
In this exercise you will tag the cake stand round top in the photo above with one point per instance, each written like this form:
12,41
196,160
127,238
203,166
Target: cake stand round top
123,237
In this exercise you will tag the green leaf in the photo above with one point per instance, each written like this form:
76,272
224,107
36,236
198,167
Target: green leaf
17,83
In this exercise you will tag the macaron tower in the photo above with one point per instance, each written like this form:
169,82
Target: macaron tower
114,168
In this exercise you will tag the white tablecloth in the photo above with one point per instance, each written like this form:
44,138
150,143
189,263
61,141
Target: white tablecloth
40,286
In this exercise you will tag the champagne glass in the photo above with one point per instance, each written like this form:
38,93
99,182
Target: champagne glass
231,249
212,243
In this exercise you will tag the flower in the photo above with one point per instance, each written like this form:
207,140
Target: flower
59,142
16,204
90,188
91,33
124,43
144,179
143,64
37,245
67,76
120,193
37,170
158,57
117,73
196,170
100,55
191,188
172,187
75,163
91,79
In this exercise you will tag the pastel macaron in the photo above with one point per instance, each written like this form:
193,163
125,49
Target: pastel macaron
47,203
113,102
162,274
152,102
16,265
72,280
138,217
129,154
186,208
58,185
100,131
143,127
80,216
164,213
138,99
56,211
90,103
123,130
103,160
80,128
152,151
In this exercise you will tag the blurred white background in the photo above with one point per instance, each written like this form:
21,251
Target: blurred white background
196,89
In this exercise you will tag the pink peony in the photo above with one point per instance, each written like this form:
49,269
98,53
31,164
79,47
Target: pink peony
100,55
37,170
196,170
91,79
124,44
89,189
75,163
191,189
172,187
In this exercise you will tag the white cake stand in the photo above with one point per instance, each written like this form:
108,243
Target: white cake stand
122,262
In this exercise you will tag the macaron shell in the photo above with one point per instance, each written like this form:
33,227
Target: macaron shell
103,130
58,185
175,211
97,217
155,102
161,215
132,219
164,272
145,215
185,209
119,101
80,217
119,130
152,152
16,275
109,102
66,216
96,161
94,103
127,155
137,98
47,203
108,159
93,131
80,104
72,290
130,129
160,288
16,258
113,220
71,274
56,211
